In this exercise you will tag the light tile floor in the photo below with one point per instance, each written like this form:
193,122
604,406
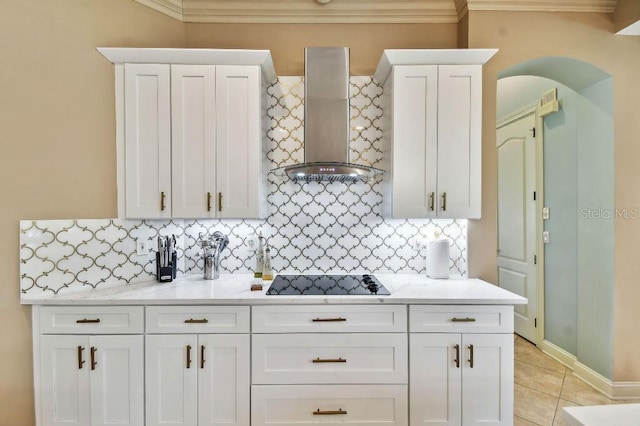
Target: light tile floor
543,386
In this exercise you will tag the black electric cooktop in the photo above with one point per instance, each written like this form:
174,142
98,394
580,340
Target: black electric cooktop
327,285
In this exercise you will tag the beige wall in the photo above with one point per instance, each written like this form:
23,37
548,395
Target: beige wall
590,38
287,42
57,141
627,12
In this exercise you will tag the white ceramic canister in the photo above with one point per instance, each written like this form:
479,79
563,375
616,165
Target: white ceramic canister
438,257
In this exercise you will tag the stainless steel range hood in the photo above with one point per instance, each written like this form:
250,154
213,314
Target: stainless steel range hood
326,119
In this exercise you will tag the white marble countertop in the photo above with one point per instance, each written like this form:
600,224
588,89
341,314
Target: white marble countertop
234,289
603,415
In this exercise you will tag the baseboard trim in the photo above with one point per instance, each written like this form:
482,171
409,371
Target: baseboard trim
613,390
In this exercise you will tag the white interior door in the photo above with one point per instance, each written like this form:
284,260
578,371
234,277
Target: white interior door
517,217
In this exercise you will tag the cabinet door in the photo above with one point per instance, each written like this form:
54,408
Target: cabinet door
147,141
414,141
487,379
64,385
223,382
459,141
117,380
435,379
171,372
239,147
193,140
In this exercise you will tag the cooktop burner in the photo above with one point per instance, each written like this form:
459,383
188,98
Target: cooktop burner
327,285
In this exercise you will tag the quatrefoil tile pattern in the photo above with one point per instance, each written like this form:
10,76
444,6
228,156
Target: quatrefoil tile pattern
316,227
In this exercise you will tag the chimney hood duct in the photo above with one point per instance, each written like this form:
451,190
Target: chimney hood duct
326,119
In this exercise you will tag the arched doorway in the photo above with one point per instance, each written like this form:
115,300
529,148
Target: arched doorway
574,180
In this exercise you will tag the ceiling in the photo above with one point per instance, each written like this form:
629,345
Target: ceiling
357,11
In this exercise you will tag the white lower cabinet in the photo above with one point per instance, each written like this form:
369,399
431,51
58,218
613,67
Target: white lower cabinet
460,378
355,365
91,380
322,364
341,404
197,379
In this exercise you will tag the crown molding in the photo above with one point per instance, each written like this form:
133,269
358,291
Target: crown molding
172,8
590,6
357,11
307,11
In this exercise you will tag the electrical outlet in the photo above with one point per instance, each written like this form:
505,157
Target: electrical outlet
142,247
545,237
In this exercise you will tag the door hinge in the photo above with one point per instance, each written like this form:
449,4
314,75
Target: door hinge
533,130
534,195
535,323
535,259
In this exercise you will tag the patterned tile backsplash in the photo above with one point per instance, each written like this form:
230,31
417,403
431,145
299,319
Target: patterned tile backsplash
315,227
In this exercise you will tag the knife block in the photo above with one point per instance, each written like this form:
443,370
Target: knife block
166,274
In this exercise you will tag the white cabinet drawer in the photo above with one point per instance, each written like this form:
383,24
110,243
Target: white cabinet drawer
460,319
91,320
319,405
197,319
329,358
330,319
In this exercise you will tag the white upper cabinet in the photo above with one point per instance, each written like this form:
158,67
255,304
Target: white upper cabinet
239,172
188,130
147,153
433,129
193,112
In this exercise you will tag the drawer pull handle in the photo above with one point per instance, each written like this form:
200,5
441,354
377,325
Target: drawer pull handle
88,321
196,321
188,356
471,356
80,360
328,412
93,358
339,319
467,319
201,356
318,360
457,360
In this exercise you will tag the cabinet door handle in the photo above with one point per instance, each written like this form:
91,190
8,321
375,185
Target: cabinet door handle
80,360
93,358
328,412
319,360
471,356
162,201
339,319
196,321
467,319
88,321
208,201
188,356
432,201
444,201
201,356
219,201
457,360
